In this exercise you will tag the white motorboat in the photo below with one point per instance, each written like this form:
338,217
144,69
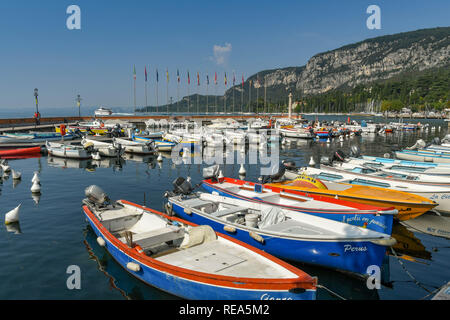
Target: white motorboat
135,146
102,111
104,148
67,151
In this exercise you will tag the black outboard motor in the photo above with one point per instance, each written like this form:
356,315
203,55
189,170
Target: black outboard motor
338,155
276,176
182,186
289,164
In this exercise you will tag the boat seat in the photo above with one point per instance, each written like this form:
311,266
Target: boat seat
225,212
158,236
195,203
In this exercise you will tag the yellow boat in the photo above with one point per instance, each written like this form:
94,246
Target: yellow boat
72,129
409,205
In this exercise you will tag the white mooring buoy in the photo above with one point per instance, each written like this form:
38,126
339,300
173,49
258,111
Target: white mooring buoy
36,187
312,163
13,215
242,170
160,158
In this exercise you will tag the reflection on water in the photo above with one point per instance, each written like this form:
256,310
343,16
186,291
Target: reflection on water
408,246
127,285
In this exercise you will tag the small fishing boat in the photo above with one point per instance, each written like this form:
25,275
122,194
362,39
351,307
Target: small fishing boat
400,166
408,205
188,260
393,174
161,145
284,233
19,152
104,148
135,146
438,194
67,151
236,137
412,155
361,215
296,133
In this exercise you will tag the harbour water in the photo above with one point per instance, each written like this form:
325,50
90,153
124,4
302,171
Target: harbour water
54,235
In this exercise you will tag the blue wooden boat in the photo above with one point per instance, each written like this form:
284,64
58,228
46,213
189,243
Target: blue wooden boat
190,261
286,234
357,214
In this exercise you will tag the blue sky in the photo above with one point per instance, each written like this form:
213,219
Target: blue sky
37,50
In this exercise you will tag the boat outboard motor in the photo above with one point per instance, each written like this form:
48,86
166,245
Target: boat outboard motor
436,141
418,145
211,172
274,176
338,155
289,164
182,186
355,151
95,197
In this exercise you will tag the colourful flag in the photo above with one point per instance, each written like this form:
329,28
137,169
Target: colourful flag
145,73
198,79
157,77
134,72
215,78
189,79
225,78
167,72
178,76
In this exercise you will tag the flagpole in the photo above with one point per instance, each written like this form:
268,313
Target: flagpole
189,84
249,95
207,84
225,96
157,80
265,94
242,95
198,92
167,91
178,95
257,93
134,80
233,90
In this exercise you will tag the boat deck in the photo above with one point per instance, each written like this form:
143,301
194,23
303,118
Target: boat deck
211,257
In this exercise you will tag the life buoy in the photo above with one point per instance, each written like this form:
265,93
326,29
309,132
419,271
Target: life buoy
62,129
306,181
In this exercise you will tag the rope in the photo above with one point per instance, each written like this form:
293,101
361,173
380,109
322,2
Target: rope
407,272
330,291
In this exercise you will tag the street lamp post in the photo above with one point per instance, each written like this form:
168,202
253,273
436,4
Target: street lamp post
37,107
79,105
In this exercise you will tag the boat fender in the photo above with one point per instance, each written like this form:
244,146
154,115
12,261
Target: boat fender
101,242
133,266
387,242
257,237
188,211
229,229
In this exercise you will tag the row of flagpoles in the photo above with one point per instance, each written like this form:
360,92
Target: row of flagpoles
146,78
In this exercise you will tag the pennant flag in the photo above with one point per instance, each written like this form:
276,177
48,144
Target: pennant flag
145,73
157,76
189,79
198,79
167,72
215,78
207,80
178,76
225,78
234,79
134,72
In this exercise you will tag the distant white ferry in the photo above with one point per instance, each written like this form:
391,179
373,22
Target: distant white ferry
102,111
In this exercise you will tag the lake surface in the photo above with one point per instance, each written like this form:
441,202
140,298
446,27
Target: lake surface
54,234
